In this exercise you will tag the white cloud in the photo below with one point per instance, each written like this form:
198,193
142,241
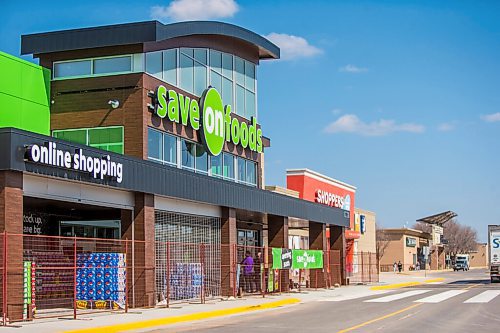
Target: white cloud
352,69
293,47
491,118
350,123
185,10
446,127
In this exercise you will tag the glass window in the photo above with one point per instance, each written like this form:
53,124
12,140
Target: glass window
227,91
228,161
251,174
239,65
76,136
113,65
227,65
187,67
216,80
73,68
153,64
216,60
170,66
188,51
169,148
216,165
242,175
154,144
106,138
240,101
249,104
201,159
200,78
249,75
200,55
188,154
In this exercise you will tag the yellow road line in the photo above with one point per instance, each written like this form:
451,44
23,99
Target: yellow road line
405,284
472,286
379,318
184,318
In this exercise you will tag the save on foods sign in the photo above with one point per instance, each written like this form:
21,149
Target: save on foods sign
297,259
210,117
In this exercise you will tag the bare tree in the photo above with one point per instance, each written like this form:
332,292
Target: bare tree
382,241
461,238
425,227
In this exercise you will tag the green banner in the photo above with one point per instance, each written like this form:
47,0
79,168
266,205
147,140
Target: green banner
307,259
297,259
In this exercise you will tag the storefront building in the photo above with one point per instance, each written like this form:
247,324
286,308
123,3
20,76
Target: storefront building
154,138
405,246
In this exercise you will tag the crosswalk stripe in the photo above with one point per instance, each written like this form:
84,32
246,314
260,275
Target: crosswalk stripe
441,296
391,298
484,297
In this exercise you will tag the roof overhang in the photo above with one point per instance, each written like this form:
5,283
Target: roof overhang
438,219
138,33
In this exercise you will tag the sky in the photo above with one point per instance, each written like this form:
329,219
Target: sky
398,98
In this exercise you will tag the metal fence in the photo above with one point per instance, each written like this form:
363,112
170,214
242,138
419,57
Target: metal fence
364,268
49,276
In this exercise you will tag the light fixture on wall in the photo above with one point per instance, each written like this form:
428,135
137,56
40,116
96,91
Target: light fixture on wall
114,103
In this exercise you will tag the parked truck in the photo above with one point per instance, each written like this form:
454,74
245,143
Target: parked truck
494,251
461,262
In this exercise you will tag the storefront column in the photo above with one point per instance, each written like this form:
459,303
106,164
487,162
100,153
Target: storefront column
278,237
337,243
140,227
228,252
11,221
317,241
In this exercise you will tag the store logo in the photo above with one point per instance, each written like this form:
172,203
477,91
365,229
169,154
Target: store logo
216,120
333,200
98,167
306,259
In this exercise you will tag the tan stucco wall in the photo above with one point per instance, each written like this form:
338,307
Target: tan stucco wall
394,250
367,241
479,258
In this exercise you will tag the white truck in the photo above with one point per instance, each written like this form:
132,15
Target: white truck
461,262
494,251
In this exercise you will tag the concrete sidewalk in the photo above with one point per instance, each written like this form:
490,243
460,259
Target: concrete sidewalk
143,319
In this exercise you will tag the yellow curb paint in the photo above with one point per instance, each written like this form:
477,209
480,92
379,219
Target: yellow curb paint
405,284
184,318
379,318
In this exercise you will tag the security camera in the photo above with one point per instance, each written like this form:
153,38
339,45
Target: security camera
114,103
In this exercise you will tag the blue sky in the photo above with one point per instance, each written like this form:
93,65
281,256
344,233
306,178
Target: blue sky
399,98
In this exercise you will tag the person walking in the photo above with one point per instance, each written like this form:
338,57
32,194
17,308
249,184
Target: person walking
400,266
395,267
247,265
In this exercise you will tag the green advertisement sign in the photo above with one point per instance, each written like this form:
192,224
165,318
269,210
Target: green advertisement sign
297,259
218,125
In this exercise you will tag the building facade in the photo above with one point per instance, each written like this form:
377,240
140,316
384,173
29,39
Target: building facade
403,246
155,142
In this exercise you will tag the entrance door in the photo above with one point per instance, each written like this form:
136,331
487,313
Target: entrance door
248,240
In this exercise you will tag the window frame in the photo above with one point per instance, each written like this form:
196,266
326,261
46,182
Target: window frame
87,140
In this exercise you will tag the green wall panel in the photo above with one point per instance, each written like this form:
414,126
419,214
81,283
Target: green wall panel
24,95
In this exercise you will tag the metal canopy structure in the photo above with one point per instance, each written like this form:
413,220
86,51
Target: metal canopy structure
438,219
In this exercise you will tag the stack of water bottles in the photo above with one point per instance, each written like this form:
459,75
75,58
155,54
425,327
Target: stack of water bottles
101,277
186,281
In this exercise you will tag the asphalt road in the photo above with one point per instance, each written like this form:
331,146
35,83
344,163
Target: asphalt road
467,302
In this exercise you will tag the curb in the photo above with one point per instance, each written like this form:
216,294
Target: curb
405,284
185,318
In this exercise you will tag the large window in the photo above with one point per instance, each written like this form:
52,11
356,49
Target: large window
105,138
94,66
197,68
162,147
194,156
247,172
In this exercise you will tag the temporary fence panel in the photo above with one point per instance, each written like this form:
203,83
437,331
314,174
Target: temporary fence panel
364,269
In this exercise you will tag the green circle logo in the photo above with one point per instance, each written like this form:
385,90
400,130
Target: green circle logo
212,121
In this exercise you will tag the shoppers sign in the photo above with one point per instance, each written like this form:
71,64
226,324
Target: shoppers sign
333,200
99,167
217,124
297,259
